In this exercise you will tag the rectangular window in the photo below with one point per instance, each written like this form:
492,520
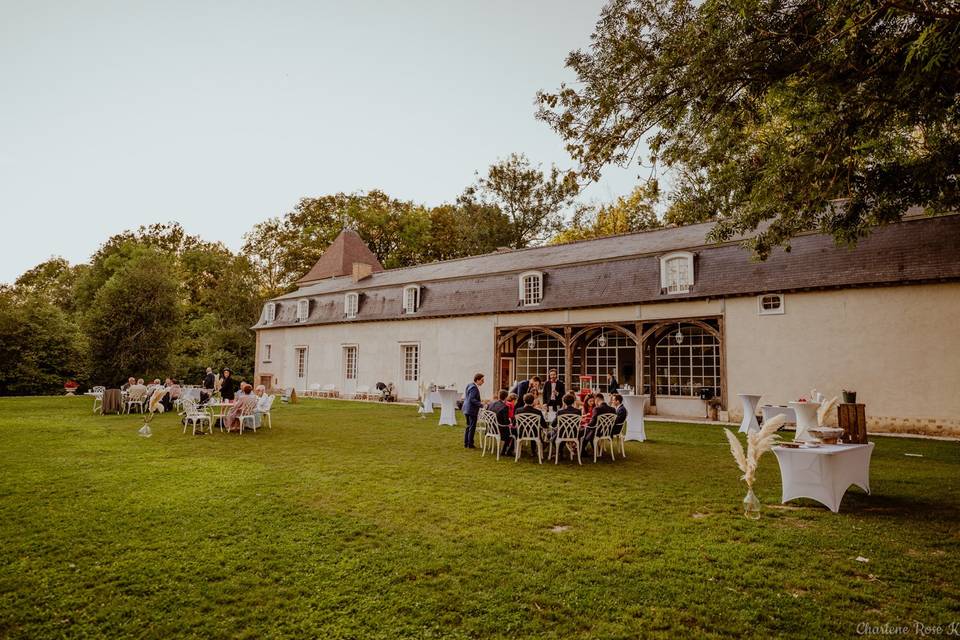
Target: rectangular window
271,312
303,310
411,362
410,302
351,304
267,352
350,363
532,290
301,360
678,275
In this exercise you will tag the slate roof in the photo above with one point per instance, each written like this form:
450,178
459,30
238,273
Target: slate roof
626,270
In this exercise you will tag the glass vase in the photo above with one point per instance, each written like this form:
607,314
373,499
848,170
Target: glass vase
751,506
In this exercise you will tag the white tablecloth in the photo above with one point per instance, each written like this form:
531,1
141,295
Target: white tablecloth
448,399
806,418
635,408
771,411
824,473
750,402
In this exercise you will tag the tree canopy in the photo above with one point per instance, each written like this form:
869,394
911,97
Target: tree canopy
827,115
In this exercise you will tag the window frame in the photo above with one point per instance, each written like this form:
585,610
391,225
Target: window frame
780,310
404,347
416,299
345,361
303,304
665,261
301,364
522,283
355,297
270,312
266,352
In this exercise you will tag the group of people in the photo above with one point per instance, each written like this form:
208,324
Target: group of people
242,395
529,397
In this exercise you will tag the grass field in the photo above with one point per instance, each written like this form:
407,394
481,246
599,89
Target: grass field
351,520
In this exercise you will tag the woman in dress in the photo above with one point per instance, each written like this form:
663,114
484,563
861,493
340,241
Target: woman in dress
589,404
228,386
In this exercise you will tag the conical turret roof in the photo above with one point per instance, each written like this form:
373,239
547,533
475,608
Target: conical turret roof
337,260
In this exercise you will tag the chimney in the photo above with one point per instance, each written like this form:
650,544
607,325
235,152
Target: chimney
361,271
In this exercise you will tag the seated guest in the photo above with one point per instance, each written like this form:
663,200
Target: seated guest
262,400
586,410
512,404
246,403
140,381
569,400
245,389
501,409
129,383
168,396
617,401
601,408
528,407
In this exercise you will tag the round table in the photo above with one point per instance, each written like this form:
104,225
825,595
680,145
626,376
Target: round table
806,418
750,402
448,399
635,406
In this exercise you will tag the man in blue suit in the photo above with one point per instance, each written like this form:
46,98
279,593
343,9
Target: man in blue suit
471,409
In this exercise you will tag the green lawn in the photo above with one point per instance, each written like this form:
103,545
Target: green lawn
353,520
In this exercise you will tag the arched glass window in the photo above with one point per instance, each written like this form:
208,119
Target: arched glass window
687,362
611,351
303,310
537,355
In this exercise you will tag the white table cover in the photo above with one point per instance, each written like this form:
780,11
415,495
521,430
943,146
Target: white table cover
448,399
824,473
750,402
635,407
771,411
806,418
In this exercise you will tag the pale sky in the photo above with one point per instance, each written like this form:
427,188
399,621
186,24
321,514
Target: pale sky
219,115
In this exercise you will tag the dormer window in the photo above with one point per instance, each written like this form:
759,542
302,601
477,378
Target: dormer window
411,298
531,288
351,303
270,312
303,310
676,272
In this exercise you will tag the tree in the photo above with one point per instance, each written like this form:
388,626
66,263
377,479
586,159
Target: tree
133,321
627,214
466,229
827,115
532,201
40,346
51,281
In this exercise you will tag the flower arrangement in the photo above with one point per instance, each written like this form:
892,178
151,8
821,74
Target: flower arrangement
747,461
70,386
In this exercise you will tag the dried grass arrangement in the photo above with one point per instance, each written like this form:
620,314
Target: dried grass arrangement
825,410
758,443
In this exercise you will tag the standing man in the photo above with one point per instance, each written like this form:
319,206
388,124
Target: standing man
471,408
209,385
553,391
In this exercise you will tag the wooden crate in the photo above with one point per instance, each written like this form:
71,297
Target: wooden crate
852,418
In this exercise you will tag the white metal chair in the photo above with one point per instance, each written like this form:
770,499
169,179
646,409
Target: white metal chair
247,407
329,391
362,392
192,415
136,397
488,430
264,410
528,430
621,437
313,391
568,432
602,434
98,398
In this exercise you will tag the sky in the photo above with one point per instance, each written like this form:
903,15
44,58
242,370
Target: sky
219,115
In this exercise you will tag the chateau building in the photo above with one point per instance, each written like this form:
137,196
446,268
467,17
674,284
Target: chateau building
672,314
